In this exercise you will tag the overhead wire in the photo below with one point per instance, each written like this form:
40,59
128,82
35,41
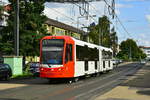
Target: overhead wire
85,11
73,20
114,17
109,7
117,18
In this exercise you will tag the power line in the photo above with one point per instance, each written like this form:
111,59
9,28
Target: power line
123,26
110,7
118,18
115,16
73,20
85,12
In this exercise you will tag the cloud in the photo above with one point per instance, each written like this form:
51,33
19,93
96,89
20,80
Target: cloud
143,42
123,6
148,17
58,12
4,1
118,6
54,13
117,12
69,13
143,39
97,7
135,0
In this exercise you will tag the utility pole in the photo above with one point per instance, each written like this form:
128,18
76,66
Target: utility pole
16,32
130,55
100,34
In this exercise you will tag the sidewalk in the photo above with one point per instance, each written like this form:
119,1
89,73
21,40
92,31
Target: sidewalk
124,63
137,87
4,86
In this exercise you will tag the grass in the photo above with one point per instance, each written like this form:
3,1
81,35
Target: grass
22,76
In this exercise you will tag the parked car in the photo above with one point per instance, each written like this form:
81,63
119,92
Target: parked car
143,61
34,68
115,62
5,71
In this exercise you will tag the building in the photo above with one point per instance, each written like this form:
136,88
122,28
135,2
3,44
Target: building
146,50
57,28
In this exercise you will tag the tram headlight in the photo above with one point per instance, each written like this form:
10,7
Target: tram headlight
41,69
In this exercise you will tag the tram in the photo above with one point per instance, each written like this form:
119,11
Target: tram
67,57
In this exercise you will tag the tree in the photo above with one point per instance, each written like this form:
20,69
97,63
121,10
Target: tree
94,34
104,31
101,34
31,27
1,11
130,51
5,45
114,41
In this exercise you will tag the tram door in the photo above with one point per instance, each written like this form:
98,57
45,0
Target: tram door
69,59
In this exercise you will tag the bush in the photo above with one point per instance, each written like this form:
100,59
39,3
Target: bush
24,75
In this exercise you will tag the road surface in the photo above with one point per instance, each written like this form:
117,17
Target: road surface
84,89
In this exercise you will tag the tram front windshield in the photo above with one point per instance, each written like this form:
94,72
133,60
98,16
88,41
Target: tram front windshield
52,51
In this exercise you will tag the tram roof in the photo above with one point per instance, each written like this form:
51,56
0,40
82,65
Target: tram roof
90,45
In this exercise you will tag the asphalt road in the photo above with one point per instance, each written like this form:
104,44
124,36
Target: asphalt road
84,89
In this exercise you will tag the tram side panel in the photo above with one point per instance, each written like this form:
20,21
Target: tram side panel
111,64
91,67
79,68
106,60
107,64
87,61
79,63
100,67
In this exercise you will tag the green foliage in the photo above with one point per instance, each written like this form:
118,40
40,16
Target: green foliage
130,51
103,34
1,11
31,27
104,31
24,75
94,34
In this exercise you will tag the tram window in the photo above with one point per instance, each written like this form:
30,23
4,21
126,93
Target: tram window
85,53
52,51
68,56
103,64
106,54
109,63
79,53
70,50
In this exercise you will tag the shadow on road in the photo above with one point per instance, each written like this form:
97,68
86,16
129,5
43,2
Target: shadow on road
41,81
140,80
35,81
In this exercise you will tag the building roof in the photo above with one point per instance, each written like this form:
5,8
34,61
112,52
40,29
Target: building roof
63,26
144,47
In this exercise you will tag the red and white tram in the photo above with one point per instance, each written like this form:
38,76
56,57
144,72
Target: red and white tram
67,57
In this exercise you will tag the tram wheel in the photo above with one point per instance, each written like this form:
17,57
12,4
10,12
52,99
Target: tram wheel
76,79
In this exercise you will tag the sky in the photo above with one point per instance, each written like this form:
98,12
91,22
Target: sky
133,14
